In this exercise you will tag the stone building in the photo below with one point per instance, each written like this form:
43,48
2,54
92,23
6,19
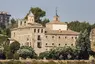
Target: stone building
4,18
92,39
55,34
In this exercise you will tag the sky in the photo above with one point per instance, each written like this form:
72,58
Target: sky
68,10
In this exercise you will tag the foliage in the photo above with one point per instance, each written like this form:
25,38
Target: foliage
83,43
2,55
78,26
45,21
43,55
3,39
16,56
14,46
13,23
61,53
26,52
38,13
49,62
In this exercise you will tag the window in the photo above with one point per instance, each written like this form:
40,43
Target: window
46,43
45,31
59,37
52,43
72,37
52,36
39,44
65,37
46,36
71,44
34,30
65,44
24,21
38,30
59,44
39,38
75,37
21,23
32,19
27,39
41,30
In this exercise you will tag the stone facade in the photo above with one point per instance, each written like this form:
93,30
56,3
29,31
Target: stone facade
55,34
92,39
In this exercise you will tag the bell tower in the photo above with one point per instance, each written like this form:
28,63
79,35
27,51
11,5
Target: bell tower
56,17
31,19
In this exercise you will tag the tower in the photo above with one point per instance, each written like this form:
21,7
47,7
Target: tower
31,19
56,17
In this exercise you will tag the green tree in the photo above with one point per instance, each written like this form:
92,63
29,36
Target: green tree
16,56
78,26
13,23
26,52
83,43
44,22
14,46
38,13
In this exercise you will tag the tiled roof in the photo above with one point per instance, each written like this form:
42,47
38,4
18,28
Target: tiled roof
56,22
62,32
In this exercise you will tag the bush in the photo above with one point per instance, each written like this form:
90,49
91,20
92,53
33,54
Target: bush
16,56
26,52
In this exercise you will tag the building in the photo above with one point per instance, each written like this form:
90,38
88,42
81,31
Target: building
4,18
55,34
92,39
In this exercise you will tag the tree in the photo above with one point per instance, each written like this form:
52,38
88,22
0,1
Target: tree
78,26
65,53
38,14
26,52
8,32
14,46
13,23
83,43
44,22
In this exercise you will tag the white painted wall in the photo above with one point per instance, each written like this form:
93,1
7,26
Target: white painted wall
59,26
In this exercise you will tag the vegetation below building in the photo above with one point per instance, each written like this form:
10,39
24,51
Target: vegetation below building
47,62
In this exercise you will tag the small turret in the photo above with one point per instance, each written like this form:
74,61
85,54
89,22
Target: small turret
31,18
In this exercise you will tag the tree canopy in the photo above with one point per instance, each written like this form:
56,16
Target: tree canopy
38,13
